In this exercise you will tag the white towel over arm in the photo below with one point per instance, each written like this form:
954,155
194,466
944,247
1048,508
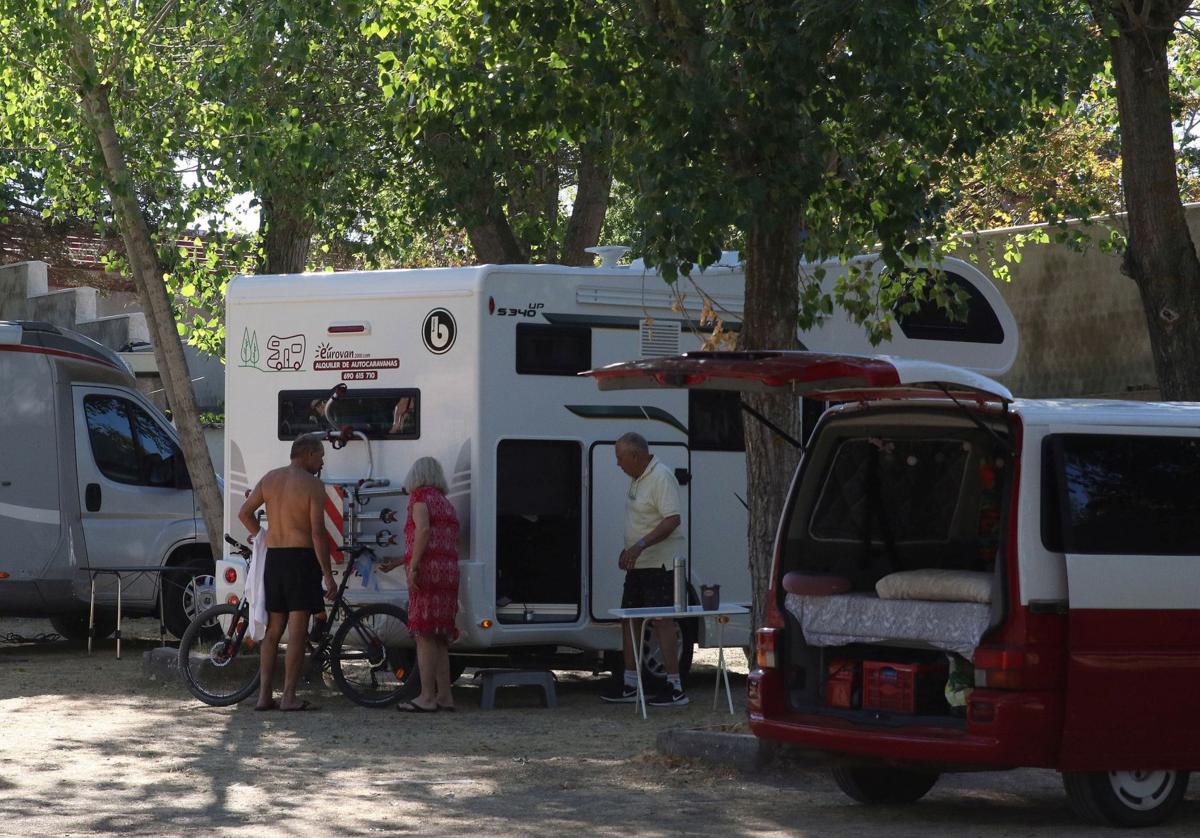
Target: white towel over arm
255,593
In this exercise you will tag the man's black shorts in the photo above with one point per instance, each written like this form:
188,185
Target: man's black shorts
292,580
648,587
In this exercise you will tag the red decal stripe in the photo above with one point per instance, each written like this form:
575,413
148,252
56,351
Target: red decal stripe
75,356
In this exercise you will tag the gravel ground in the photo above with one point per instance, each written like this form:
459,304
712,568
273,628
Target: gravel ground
91,745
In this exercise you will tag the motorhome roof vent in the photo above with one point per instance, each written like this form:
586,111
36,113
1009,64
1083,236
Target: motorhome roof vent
609,254
660,338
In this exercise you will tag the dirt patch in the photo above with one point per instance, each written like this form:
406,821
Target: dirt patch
91,745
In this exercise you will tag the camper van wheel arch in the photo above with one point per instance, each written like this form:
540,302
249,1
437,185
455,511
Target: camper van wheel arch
74,625
189,592
1125,798
686,633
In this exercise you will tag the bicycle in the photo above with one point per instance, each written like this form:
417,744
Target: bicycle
366,655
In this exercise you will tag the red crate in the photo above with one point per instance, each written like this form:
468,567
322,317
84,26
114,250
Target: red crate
903,687
842,683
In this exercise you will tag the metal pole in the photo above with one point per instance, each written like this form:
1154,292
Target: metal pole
724,667
91,612
118,575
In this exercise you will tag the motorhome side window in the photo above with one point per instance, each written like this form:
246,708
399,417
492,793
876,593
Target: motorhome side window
553,350
1130,495
931,322
127,444
383,413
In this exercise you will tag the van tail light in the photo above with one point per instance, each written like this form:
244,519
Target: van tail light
773,617
1002,669
230,575
766,656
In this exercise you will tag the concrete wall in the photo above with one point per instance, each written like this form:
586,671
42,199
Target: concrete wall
112,318
1082,327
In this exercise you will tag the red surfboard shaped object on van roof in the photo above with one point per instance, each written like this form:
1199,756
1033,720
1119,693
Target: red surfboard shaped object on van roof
814,375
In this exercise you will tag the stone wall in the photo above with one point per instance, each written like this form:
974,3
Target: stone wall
1082,328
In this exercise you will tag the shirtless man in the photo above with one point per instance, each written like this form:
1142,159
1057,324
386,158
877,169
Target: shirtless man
297,559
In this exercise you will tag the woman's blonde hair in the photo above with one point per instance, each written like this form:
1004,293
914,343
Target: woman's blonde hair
426,472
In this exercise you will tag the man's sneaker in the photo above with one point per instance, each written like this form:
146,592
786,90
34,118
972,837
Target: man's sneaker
620,694
669,697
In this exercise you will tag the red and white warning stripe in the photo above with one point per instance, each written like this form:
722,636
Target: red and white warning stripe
334,503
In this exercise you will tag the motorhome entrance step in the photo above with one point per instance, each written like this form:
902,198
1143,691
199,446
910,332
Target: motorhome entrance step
490,679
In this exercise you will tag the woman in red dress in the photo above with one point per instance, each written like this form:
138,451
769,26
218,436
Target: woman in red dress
431,564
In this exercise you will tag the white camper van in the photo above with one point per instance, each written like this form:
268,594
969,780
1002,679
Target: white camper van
478,367
91,476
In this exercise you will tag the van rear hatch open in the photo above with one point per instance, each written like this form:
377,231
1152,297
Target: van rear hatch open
891,557
813,375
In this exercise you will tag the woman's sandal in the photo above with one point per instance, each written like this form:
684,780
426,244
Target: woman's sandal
412,707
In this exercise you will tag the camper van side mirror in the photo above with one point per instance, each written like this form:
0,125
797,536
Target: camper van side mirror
182,479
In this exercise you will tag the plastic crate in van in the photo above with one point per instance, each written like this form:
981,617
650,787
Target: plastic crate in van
904,687
843,683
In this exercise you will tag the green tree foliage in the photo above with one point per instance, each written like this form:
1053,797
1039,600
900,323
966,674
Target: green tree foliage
501,107
823,130
94,100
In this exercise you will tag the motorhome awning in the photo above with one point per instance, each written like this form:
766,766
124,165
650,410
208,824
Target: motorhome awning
814,375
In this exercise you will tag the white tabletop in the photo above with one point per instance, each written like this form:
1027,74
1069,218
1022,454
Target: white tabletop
658,612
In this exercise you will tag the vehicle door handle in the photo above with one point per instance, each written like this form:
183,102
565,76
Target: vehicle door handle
683,476
91,497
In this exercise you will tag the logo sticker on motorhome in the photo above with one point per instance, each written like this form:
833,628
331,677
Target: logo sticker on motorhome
329,357
438,331
284,352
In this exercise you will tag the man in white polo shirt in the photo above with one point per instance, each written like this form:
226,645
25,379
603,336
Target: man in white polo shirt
652,541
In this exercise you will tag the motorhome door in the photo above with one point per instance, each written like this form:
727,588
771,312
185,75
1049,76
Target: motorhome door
131,508
608,489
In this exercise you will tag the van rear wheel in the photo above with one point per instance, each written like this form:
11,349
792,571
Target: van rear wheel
1125,798
884,784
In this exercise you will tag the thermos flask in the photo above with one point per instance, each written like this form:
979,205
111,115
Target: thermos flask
680,583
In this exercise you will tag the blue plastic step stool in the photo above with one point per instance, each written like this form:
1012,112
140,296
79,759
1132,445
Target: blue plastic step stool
490,679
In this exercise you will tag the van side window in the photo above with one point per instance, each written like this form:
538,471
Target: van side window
379,413
715,421
127,444
553,350
1131,495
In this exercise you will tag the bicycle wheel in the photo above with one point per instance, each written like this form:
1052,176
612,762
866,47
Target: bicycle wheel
217,660
372,659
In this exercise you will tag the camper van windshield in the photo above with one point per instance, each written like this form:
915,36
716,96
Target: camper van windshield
379,413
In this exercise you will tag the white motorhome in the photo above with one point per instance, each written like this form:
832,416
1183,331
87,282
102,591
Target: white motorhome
478,367
91,476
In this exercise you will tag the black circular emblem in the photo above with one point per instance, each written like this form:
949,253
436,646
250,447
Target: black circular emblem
439,331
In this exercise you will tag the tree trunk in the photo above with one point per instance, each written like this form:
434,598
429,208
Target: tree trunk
1161,257
287,230
772,300
591,203
152,293
488,230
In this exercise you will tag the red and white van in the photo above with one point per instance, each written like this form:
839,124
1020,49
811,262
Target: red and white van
966,581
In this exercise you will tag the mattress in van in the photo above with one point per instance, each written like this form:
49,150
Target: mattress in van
864,618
